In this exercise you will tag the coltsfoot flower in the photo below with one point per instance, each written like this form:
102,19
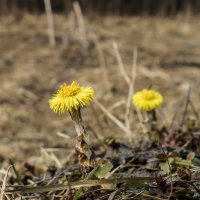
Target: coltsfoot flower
71,97
147,99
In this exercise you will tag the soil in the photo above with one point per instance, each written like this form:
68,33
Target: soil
31,71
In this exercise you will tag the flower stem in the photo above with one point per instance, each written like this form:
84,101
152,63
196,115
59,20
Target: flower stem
153,124
154,117
84,152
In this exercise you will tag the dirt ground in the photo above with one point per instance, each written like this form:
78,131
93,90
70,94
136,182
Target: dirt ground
31,71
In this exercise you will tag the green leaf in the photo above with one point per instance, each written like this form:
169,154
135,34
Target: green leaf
165,165
104,168
181,162
78,193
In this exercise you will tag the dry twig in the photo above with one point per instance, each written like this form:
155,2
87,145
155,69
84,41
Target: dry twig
102,63
112,117
120,63
4,185
130,93
81,25
187,101
50,21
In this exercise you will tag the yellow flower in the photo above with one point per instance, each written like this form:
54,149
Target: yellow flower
147,99
71,97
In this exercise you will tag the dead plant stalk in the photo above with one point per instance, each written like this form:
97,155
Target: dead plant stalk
81,25
102,63
130,93
111,116
120,63
50,21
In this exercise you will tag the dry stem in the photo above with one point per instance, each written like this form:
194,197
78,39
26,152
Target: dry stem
3,194
112,117
81,25
187,101
130,93
50,21
120,63
102,63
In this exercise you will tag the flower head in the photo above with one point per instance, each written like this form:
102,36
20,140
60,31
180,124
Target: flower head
147,99
71,97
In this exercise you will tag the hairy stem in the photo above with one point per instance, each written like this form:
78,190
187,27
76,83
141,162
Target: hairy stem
84,152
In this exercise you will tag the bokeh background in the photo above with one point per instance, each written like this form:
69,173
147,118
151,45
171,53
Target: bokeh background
165,33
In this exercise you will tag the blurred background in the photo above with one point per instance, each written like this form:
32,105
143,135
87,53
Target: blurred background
45,43
112,7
